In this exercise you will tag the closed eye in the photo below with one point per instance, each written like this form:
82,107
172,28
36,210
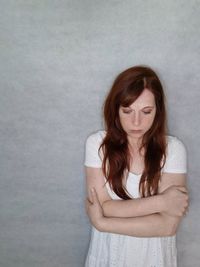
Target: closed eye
126,111
146,112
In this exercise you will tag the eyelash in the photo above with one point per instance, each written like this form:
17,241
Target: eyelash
127,112
145,112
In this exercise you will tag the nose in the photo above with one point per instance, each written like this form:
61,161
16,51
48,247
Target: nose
136,118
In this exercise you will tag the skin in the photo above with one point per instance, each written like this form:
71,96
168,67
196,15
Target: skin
158,215
138,116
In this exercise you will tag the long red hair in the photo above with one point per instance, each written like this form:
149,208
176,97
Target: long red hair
126,88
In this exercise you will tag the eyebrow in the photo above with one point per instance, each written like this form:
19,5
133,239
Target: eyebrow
149,107
142,108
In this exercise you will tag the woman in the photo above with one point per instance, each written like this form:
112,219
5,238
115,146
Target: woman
136,177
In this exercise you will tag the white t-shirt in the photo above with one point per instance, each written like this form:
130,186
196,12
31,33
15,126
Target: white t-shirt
109,250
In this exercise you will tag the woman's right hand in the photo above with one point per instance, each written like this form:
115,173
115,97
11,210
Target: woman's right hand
176,200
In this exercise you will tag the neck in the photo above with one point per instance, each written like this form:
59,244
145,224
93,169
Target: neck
135,143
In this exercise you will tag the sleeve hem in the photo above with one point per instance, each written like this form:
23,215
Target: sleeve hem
91,165
175,171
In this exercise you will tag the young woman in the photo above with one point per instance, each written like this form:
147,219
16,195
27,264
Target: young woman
136,178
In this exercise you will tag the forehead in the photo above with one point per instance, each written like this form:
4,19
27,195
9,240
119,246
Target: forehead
145,99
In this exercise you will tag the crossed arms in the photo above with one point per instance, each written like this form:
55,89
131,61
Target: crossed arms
153,216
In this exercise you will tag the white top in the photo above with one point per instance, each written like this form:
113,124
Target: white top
109,250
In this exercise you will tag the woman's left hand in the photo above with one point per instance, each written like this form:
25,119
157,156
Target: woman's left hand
94,210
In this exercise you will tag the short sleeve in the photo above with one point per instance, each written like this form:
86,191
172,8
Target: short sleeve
92,157
176,158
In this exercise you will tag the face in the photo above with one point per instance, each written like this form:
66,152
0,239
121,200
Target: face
138,118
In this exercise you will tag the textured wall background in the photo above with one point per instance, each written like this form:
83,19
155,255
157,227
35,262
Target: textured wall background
57,61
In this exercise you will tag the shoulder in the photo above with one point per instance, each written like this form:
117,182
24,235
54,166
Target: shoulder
95,139
175,145
92,156
176,158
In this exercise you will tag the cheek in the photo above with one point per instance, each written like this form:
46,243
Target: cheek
124,122
150,121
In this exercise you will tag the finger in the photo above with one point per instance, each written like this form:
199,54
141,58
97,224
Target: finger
182,189
89,196
94,196
88,203
89,200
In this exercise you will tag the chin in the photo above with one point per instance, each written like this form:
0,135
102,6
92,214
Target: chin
136,132
136,135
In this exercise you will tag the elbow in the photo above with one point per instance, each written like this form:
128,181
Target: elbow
99,224
173,229
165,232
171,232
172,226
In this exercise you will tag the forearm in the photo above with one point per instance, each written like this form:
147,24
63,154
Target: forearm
133,207
156,225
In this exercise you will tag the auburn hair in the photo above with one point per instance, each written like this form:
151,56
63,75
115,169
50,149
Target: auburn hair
126,88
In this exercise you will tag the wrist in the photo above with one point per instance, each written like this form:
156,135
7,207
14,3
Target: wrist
161,203
105,208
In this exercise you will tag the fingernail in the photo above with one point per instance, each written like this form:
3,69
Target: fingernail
92,189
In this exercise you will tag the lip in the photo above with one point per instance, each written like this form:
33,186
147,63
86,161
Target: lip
136,131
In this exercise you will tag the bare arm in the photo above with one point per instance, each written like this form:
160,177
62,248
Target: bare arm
121,208
145,226
159,224
133,207
130,208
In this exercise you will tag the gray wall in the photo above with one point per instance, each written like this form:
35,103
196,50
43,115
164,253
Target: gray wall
57,61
